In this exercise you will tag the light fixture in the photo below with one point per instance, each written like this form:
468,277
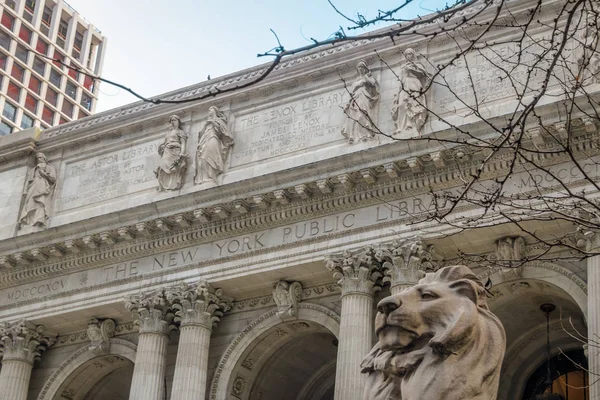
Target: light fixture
547,308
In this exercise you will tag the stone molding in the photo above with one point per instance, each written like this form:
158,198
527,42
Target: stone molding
357,272
99,333
119,347
287,295
152,311
165,232
223,373
24,341
406,261
197,304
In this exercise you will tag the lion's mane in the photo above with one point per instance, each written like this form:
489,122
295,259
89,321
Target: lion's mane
449,345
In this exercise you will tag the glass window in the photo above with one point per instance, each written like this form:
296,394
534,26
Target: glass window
86,102
30,5
4,40
47,15
5,129
3,58
71,90
63,27
62,121
67,108
59,59
10,4
10,111
21,53
39,66
78,41
55,77
41,47
17,72
25,34
51,97
14,91
8,20
73,73
26,121
88,83
35,84
48,116
31,103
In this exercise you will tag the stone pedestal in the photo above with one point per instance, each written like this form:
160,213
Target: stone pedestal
23,342
151,359
357,275
404,262
198,307
593,319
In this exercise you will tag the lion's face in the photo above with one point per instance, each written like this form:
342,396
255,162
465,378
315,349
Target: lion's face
411,319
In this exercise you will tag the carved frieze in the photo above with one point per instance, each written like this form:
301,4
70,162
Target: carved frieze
173,154
198,304
287,295
364,95
356,272
99,333
24,341
41,182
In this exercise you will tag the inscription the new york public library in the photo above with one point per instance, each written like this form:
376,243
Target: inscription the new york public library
220,249
110,175
289,127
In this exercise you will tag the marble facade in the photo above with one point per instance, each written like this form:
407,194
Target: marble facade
257,278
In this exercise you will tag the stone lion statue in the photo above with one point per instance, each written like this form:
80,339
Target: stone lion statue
437,340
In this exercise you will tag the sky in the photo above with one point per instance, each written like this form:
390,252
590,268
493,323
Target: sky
158,46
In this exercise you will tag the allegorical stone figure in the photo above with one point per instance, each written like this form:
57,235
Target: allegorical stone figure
173,154
214,143
364,96
40,186
589,56
437,340
409,110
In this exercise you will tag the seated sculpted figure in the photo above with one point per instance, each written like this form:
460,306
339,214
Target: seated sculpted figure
437,340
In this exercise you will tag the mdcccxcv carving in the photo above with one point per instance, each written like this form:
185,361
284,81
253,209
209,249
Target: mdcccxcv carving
437,340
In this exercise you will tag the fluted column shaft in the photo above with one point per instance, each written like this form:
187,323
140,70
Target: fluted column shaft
593,320
154,319
14,379
355,341
199,307
191,368
23,342
358,275
150,365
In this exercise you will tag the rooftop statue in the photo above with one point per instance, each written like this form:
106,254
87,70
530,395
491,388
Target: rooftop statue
364,96
173,154
214,144
40,186
437,340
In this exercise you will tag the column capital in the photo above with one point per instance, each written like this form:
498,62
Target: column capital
198,303
152,311
405,261
357,272
24,341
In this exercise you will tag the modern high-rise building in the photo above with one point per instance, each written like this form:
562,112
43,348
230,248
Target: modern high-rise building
34,89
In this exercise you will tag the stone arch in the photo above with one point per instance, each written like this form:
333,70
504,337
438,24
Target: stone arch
82,356
232,357
552,273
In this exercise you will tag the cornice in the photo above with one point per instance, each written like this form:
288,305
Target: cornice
351,190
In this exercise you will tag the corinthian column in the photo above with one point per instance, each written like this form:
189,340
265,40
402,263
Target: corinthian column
357,275
199,307
23,343
593,318
405,262
154,319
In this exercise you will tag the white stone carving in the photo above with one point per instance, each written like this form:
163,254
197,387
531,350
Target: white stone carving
364,95
99,332
510,248
152,311
356,273
198,303
214,145
173,157
588,59
40,187
24,341
434,335
409,111
287,295
405,262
